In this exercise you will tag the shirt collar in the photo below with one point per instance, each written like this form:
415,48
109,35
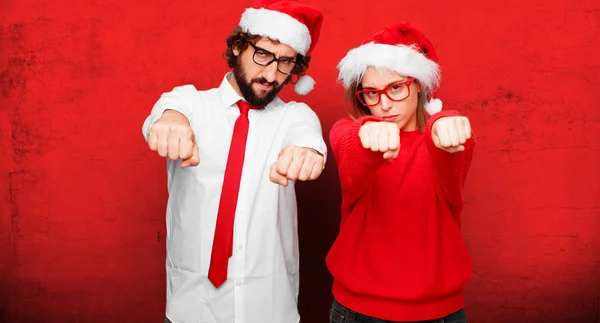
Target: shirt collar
228,95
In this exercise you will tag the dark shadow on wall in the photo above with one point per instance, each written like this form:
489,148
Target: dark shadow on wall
319,215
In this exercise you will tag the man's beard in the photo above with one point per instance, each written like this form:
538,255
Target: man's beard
248,92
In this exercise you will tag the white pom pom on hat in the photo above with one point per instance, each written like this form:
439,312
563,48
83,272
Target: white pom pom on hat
304,85
433,106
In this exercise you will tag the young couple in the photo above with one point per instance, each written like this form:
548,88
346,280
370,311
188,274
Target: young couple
235,152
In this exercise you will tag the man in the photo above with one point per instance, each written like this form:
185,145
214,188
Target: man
234,153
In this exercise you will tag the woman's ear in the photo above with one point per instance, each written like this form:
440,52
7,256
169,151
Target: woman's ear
418,86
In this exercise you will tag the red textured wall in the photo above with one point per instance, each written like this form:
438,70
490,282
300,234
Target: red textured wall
82,199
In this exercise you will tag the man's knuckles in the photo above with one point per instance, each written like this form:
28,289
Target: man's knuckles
180,129
281,168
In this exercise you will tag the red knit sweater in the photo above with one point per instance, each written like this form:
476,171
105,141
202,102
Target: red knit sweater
399,255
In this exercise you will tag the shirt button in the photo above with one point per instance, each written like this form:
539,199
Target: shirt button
238,283
240,247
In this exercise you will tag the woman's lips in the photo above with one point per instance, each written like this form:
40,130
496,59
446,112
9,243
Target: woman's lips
390,117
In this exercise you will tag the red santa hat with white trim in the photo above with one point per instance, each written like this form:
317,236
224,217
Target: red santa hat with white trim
290,22
400,48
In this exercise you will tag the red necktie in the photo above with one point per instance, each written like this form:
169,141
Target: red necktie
222,247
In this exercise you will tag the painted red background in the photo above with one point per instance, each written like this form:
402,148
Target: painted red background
82,199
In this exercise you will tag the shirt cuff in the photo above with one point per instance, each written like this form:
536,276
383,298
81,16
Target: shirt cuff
157,114
312,142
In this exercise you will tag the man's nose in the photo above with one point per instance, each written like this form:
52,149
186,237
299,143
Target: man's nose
271,72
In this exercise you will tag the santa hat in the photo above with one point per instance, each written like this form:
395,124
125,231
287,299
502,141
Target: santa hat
400,48
290,22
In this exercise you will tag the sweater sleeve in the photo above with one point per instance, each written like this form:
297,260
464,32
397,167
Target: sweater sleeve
452,167
355,163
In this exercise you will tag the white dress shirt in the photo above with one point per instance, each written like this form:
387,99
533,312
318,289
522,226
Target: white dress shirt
263,274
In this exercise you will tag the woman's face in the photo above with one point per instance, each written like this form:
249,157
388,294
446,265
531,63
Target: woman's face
400,103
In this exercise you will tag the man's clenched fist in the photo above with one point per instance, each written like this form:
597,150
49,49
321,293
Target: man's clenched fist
296,163
171,136
381,136
450,133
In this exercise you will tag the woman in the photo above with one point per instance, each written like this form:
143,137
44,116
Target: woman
402,162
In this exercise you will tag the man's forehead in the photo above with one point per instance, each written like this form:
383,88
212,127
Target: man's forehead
276,47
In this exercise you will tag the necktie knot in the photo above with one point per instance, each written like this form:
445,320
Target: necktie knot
245,106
